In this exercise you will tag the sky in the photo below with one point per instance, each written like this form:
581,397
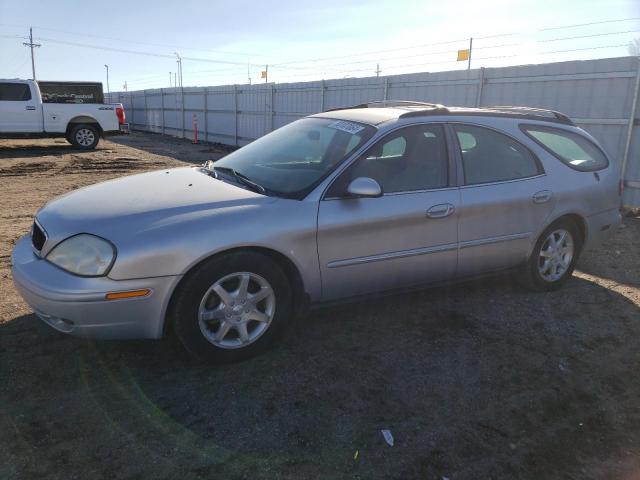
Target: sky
224,43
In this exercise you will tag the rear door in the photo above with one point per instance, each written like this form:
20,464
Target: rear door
20,109
406,237
505,198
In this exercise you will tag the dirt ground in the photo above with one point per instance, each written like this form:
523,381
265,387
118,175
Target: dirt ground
478,381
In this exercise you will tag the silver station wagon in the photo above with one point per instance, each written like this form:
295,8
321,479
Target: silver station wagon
342,204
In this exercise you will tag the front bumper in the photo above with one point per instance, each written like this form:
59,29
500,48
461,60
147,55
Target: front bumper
77,305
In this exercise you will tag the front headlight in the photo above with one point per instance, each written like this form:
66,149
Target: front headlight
83,254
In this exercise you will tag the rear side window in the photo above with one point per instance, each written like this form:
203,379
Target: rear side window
571,148
489,156
14,92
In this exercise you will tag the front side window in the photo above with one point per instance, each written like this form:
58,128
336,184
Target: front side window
571,148
489,156
291,160
410,159
14,92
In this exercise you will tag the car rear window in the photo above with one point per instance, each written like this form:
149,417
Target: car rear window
14,92
571,148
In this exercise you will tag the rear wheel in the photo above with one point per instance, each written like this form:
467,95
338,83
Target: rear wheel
554,257
232,307
84,136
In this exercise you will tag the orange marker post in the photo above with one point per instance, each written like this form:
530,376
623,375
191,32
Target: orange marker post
195,128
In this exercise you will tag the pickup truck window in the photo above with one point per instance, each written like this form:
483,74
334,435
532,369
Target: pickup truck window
14,92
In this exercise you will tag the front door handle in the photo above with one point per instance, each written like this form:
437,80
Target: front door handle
440,211
542,196
30,107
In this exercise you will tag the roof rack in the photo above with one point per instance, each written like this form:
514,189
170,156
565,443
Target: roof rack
532,111
418,109
393,103
498,111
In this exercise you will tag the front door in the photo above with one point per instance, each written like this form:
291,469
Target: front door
406,237
19,109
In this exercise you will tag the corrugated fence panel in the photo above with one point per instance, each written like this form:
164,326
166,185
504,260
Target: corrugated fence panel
597,94
632,177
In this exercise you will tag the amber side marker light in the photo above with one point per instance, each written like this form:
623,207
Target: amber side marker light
130,294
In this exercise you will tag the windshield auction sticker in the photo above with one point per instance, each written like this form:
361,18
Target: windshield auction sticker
348,127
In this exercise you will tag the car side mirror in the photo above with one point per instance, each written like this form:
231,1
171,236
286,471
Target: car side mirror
364,187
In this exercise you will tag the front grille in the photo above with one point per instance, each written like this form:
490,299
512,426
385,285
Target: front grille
38,237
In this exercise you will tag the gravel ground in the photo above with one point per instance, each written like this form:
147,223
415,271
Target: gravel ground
481,380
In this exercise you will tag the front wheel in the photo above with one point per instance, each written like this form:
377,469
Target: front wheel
554,257
232,307
84,136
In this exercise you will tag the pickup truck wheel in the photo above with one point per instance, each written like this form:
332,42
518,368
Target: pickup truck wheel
84,136
232,307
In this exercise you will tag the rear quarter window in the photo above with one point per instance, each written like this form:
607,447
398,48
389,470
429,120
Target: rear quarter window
14,92
570,148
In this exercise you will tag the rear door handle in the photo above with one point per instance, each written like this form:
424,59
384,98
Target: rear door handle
542,196
30,107
441,210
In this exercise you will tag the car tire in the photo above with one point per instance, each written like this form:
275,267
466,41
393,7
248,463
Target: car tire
84,136
553,258
209,308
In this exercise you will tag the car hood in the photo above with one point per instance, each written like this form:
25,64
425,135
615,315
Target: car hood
127,206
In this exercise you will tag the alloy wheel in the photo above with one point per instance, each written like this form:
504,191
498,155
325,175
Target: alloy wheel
236,310
556,254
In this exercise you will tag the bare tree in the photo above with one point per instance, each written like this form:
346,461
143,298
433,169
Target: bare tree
634,47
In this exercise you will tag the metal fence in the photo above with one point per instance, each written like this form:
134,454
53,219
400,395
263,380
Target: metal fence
599,95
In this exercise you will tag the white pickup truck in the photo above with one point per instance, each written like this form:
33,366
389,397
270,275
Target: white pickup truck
23,114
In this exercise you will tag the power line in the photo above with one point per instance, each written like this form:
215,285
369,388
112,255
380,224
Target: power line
371,52
128,41
139,52
393,67
453,41
589,24
316,67
588,36
557,51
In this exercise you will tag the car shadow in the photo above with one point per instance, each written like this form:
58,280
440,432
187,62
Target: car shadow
27,150
480,379
614,260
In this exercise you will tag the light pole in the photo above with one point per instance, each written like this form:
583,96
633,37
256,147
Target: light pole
179,61
108,91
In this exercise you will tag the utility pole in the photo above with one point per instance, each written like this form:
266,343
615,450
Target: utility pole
170,80
378,70
175,79
125,86
107,67
248,72
32,46
266,73
470,48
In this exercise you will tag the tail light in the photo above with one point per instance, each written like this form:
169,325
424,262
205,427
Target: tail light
120,114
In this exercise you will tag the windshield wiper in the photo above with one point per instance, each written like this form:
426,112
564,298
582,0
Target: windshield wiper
256,187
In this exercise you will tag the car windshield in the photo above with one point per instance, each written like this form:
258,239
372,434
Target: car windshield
293,159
